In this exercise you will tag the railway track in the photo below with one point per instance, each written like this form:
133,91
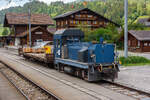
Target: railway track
26,97
125,90
94,94
29,89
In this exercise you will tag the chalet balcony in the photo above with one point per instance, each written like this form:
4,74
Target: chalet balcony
92,25
85,18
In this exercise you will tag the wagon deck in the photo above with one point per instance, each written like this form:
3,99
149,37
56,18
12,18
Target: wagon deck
42,57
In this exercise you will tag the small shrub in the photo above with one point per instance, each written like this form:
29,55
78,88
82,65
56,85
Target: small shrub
134,60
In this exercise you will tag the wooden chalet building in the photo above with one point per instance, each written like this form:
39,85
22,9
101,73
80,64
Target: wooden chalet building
85,17
139,41
19,23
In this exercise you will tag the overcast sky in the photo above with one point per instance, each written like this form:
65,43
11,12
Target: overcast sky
4,4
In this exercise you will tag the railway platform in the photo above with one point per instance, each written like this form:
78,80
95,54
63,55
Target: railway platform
136,76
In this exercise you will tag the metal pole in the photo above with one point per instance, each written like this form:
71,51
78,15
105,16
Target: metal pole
30,42
126,28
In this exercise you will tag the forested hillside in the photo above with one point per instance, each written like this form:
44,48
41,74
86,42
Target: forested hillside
112,9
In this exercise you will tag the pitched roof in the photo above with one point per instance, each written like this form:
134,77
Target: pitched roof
22,19
141,35
75,11
26,32
143,20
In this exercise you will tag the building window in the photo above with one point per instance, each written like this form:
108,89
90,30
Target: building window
83,15
62,23
66,22
58,23
89,22
145,44
39,40
89,16
82,22
76,22
38,32
95,17
78,15
101,23
72,16
129,43
95,22
138,43
71,21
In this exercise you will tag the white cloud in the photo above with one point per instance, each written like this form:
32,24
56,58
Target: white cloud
11,4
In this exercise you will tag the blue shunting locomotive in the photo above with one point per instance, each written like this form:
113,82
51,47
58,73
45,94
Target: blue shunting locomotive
87,60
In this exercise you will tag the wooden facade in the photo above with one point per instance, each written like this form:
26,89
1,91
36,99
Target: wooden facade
20,29
37,33
139,41
19,23
84,17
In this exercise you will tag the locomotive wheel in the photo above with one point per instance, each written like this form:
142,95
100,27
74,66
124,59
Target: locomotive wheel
84,75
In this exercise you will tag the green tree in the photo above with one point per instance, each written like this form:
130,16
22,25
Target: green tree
5,32
109,33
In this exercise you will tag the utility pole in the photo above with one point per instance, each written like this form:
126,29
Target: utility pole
29,16
126,28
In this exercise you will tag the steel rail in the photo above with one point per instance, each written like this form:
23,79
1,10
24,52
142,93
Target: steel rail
128,88
26,97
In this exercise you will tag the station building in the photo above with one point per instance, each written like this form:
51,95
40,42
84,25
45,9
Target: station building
19,23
